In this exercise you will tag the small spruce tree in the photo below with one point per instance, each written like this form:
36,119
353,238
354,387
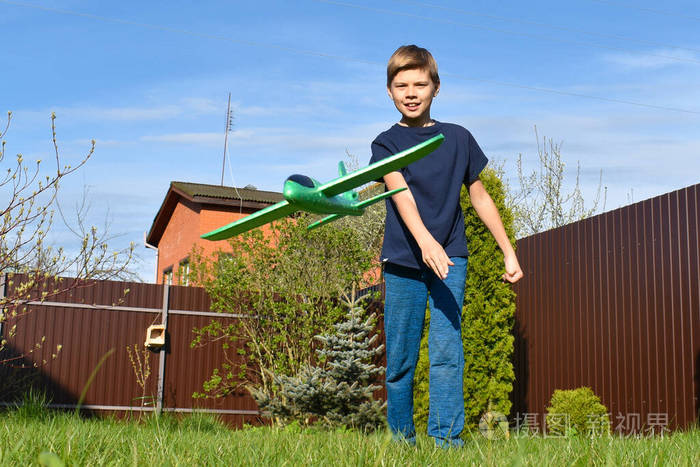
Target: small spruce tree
338,392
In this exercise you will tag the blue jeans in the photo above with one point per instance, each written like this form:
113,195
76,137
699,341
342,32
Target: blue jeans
407,291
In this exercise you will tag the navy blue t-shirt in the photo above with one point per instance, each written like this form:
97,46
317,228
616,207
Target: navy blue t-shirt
435,182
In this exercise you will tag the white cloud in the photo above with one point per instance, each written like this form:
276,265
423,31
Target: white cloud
122,113
292,140
653,59
207,138
200,105
192,106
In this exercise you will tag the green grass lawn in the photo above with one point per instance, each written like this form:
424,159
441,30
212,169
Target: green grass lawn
201,440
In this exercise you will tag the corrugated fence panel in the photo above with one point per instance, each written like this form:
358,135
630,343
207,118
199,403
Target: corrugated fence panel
693,227
86,335
189,367
612,302
189,298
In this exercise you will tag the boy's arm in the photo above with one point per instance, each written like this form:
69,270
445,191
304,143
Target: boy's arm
433,253
488,212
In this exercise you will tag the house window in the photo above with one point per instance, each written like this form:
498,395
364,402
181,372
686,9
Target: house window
184,272
168,276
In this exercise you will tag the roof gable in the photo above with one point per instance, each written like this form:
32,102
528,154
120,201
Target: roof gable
212,195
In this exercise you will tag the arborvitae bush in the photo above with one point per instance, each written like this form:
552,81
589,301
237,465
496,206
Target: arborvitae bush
577,411
487,319
339,392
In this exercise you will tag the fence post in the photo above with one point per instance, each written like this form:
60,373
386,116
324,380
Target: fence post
163,350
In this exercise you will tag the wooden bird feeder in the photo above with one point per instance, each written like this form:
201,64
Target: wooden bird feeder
155,336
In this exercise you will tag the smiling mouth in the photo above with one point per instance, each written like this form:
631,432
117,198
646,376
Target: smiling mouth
412,106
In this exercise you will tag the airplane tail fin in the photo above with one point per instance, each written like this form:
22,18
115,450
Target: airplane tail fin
361,204
342,171
324,221
380,197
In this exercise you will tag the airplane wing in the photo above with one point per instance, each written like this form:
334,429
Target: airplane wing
381,168
269,214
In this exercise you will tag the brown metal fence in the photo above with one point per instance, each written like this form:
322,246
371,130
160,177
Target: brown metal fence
613,302
96,318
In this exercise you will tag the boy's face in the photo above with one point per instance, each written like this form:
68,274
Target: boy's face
412,92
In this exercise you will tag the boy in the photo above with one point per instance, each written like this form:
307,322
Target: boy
425,248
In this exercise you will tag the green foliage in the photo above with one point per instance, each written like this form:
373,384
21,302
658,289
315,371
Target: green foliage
94,441
339,392
487,319
164,421
34,405
488,315
577,411
284,285
202,422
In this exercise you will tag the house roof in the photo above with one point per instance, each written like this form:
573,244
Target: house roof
212,195
195,191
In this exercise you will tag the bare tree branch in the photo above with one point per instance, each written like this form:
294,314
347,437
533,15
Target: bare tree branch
32,267
541,202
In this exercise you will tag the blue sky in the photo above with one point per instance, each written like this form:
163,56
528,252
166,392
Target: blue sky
615,81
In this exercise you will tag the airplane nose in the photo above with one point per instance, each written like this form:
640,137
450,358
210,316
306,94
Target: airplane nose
293,186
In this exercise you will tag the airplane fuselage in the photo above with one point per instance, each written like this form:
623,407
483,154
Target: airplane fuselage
302,191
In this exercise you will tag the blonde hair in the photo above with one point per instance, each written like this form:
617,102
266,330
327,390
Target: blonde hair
408,57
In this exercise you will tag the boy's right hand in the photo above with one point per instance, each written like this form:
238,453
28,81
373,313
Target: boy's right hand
513,271
434,257
433,253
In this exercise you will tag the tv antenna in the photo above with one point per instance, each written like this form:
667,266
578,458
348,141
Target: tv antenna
229,124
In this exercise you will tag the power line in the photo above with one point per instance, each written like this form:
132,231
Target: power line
156,27
546,25
504,31
340,57
573,94
650,10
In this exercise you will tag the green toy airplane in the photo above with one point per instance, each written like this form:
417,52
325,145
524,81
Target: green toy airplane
336,197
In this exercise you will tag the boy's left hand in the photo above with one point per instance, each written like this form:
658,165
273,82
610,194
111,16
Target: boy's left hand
513,272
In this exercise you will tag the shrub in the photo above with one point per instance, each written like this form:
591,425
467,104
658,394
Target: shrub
487,320
577,411
339,392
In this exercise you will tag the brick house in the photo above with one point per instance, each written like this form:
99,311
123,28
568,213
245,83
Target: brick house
192,209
